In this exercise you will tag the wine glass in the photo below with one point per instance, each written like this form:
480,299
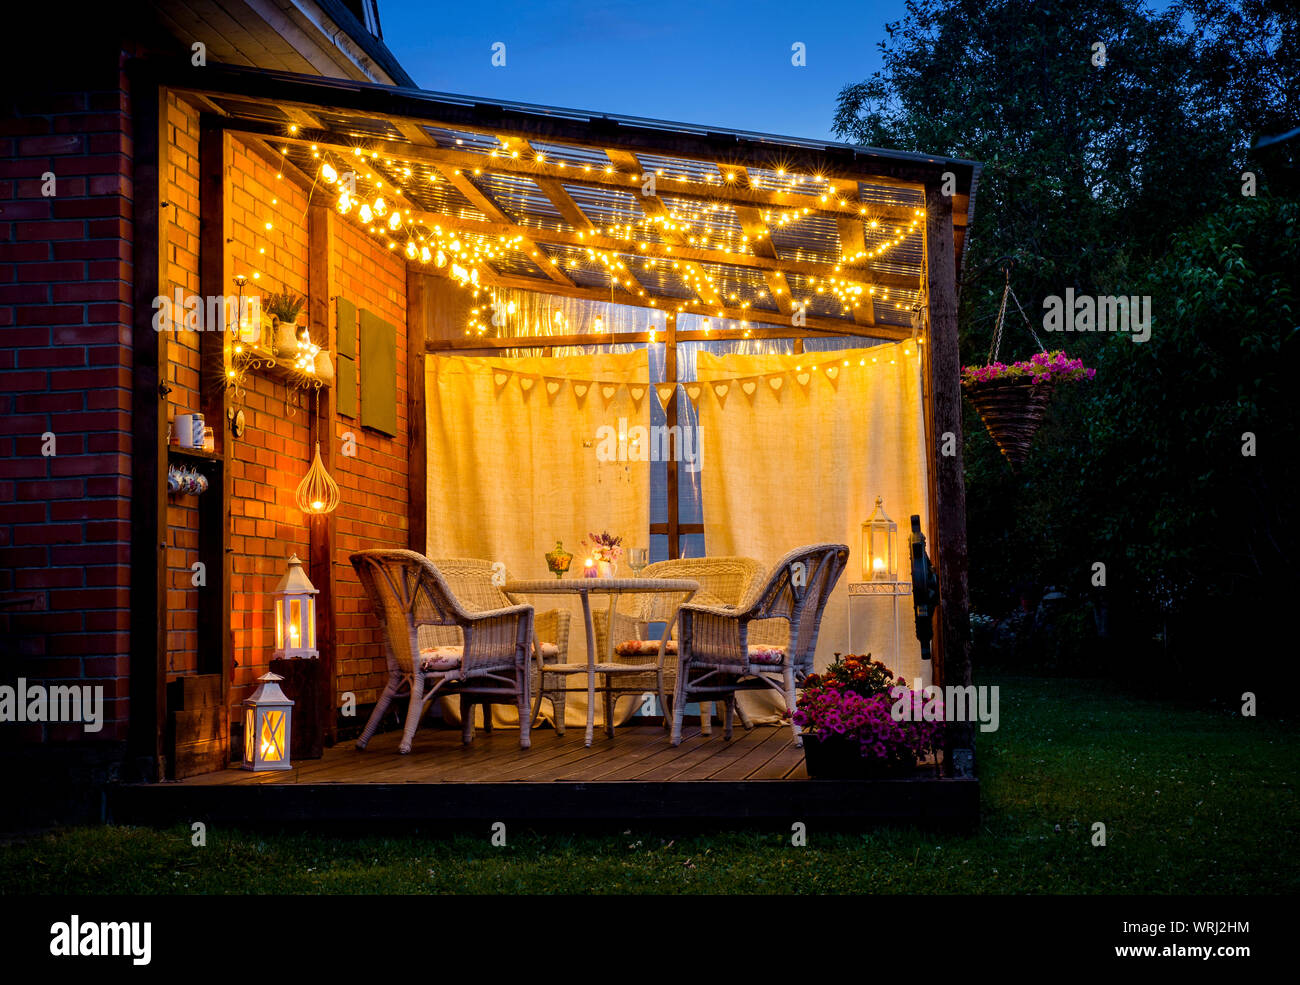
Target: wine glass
637,558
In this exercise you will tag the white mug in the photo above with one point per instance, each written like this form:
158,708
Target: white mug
185,430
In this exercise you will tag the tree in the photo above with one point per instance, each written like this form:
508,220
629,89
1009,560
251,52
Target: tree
1117,170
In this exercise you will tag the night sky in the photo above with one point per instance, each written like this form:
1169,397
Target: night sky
720,64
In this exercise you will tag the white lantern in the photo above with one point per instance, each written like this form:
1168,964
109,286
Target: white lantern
267,719
295,614
879,546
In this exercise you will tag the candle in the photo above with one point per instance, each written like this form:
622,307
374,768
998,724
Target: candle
589,568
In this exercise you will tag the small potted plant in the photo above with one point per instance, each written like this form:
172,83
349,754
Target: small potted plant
1012,397
849,731
285,305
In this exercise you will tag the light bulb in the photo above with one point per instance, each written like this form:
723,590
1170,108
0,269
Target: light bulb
328,173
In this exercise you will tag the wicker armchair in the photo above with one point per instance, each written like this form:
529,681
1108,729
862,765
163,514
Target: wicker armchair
724,581
471,580
491,663
716,656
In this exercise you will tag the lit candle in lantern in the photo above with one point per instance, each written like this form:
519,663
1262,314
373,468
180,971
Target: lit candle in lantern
589,568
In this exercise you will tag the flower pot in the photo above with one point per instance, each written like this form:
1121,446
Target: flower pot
286,339
325,368
607,569
836,757
1012,412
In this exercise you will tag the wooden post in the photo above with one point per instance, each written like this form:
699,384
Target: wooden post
323,528
953,652
148,671
670,415
216,640
417,300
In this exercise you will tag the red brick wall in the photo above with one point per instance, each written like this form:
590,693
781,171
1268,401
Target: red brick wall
181,193
65,368
373,484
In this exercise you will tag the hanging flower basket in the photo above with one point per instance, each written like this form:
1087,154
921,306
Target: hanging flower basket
1012,399
1012,412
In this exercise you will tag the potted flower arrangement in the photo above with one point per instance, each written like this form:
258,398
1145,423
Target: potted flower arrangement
606,549
285,305
1012,397
849,731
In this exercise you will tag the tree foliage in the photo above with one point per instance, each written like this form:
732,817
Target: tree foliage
1121,178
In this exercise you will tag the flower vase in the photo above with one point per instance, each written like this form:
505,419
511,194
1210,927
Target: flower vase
606,569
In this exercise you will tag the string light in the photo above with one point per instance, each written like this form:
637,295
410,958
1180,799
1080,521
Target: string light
707,225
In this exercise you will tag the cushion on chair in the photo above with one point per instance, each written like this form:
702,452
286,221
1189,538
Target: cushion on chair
766,654
643,648
549,650
435,658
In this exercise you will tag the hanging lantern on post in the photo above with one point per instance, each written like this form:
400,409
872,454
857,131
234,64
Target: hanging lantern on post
879,546
267,718
318,492
295,614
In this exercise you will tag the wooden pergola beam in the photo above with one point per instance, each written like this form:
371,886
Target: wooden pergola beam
732,193
578,130
751,221
575,217
598,241
652,206
813,325
488,206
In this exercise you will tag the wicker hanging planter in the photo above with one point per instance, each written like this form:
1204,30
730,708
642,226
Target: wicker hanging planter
1012,400
1012,412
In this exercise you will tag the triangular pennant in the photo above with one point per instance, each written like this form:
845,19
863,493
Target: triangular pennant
526,383
666,393
803,378
608,390
501,379
832,371
693,391
580,388
637,392
553,386
775,382
749,386
720,390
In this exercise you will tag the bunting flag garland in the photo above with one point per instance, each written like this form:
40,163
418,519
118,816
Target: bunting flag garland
802,374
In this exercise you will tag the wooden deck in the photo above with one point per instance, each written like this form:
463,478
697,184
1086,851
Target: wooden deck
637,775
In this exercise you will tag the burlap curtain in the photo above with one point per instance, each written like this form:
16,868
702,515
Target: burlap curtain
513,467
803,461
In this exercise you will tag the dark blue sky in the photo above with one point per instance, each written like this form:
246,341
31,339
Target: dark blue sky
723,64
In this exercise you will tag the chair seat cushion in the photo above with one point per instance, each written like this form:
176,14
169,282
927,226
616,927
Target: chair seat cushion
759,654
643,648
442,658
435,658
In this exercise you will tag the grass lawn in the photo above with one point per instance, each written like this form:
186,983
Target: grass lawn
1193,801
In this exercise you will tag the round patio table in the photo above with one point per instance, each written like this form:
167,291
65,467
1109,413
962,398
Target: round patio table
585,588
